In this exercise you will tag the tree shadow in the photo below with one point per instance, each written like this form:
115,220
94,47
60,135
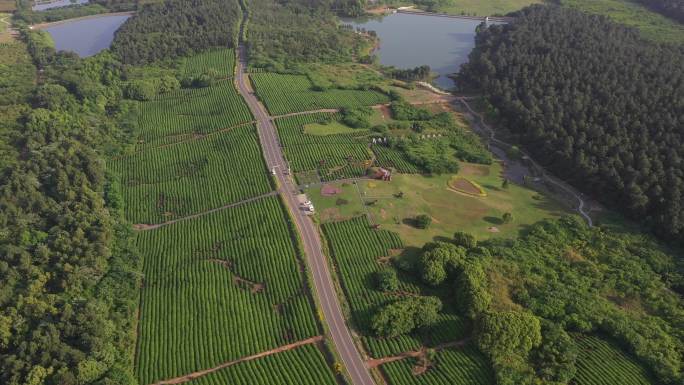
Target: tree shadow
493,220
441,238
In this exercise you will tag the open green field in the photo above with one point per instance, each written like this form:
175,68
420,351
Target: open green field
328,128
192,110
452,366
295,93
220,287
358,252
652,25
174,181
335,156
484,8
392,204
601,362
302,366
220,62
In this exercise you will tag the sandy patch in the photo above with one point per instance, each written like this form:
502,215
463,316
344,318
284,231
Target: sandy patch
329,190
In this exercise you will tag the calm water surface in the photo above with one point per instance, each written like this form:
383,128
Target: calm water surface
86,37
408,41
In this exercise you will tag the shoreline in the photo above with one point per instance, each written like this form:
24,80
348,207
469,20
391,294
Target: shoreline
481,18
95,16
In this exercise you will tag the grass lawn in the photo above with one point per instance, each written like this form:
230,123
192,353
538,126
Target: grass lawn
485,8
344,205
330,128
451,211
652,25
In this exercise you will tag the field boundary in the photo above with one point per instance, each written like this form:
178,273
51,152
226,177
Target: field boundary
200,373
376,362
146,227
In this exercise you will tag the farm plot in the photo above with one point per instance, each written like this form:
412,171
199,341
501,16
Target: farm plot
302,366
194,176
282,94
358,252
220,287
603,363
464,366
335,156
388,157
219,62
192,110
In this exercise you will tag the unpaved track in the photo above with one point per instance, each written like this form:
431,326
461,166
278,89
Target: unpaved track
143,226
316,261
192,376
544,175
373,363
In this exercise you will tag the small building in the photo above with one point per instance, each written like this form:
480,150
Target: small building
383,174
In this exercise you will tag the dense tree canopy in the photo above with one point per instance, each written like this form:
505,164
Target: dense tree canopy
176,28
280,34
68,270
593,101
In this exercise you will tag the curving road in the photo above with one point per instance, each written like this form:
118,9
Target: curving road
323,283
544,174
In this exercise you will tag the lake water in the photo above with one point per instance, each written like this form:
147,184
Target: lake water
86,37
408,41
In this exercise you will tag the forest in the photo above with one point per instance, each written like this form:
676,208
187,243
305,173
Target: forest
69,271
177,28
281,34
531,299
595,103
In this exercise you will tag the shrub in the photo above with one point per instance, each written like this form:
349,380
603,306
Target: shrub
423,221
386,279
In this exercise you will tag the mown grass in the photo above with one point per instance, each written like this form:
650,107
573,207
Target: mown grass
652,25
393,204
485,8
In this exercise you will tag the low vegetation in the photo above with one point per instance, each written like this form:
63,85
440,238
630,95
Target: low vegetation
284,93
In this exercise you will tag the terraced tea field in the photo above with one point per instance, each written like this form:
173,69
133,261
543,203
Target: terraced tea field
336,156
283,94
462,366
193,176
191,111
220,287
218,61
302,366
603,363
358,252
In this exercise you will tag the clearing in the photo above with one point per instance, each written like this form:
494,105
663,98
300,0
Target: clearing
392,204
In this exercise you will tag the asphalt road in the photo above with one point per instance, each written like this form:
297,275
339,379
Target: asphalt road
323,283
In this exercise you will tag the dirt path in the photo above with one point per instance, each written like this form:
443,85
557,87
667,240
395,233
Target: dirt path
543,174
305,112
145,227
193,375
375,362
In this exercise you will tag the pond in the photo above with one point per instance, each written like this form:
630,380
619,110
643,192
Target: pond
410,40
86,37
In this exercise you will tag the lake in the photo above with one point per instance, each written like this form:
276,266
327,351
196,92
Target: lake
86,37
408,41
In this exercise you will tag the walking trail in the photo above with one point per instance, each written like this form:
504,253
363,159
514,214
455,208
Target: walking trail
544,175
200,373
